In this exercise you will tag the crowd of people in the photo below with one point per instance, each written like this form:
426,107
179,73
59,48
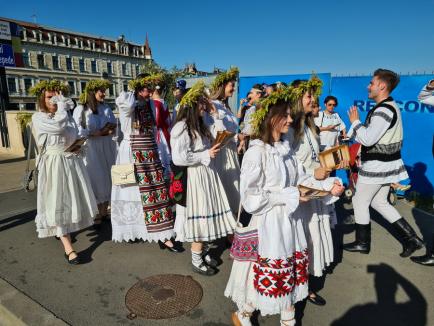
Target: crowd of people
180,182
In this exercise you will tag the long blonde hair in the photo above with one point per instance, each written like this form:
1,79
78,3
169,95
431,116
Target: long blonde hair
219,94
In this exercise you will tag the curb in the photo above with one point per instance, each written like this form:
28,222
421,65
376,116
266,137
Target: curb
17,309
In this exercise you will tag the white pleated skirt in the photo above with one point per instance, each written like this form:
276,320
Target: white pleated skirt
228,168
65,202
100,155
316,222
207,215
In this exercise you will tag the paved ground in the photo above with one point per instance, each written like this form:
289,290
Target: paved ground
376,289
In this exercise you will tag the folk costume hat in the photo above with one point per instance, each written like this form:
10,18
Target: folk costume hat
93,85
288,94
49,85
196,93
149,82
224,77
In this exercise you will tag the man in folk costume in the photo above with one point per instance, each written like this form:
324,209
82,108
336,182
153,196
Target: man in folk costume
381,138
143,210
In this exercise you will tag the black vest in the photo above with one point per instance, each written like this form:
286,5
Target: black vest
371,153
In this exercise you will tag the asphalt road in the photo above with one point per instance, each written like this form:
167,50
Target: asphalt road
377,289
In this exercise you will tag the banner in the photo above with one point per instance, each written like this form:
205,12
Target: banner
418,122
10,45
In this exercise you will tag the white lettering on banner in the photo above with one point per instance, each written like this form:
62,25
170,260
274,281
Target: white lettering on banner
5,30
1,49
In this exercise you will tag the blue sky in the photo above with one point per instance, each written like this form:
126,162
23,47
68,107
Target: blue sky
260,37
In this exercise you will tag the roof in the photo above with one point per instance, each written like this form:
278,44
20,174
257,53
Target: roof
60,30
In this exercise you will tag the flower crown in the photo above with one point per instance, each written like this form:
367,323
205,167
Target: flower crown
283,94
289,94
194,94
49,85
149,82
92,86
224,77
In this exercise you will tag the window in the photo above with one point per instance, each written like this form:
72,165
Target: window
81,65
41,61
27,84
93,66
71,85
55,62
26,59
125,87
124,69
109,68
83,86
68,64
112,90
12,86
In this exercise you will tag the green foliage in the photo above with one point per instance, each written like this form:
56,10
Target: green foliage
287,94
24,119
92,86
192,97
169,79
49,85
224,77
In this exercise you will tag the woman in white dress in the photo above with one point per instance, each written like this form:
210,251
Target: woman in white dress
304,140
65,201
206,215
226,161
270,174
142,210
96,122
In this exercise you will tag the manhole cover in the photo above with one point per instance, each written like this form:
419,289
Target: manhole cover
163,296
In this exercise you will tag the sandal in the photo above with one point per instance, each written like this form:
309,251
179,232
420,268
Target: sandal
74,261
287,322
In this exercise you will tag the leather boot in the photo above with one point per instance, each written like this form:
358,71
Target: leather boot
427,259
410,241
363,240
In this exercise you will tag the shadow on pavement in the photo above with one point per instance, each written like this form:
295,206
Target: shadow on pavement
17,220
97,237
386,311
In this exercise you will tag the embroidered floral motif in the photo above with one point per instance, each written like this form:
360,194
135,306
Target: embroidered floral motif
150,178
158,215
176,189
155,196
145,156
278,277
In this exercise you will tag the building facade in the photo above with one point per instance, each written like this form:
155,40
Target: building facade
74,58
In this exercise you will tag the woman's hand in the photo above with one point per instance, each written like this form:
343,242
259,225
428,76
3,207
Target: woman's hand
303,199
213,151
337,189
321,173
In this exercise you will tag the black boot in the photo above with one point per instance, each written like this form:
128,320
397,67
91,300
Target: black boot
410,241
427,259
363,240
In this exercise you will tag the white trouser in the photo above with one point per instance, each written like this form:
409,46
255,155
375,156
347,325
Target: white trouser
375,196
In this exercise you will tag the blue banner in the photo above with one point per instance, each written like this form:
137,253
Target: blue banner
7,58
418,122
